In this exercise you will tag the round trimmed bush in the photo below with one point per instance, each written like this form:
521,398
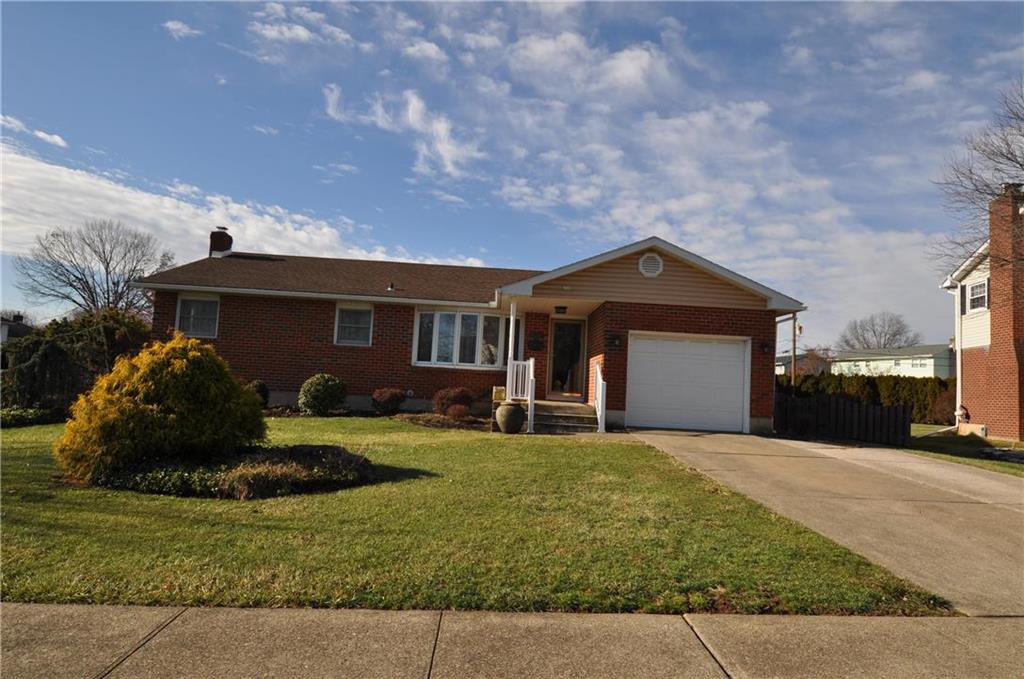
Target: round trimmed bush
458,412
173,401
388,401
321,394
262,390
446,398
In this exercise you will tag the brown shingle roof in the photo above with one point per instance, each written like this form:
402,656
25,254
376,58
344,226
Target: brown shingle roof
322,275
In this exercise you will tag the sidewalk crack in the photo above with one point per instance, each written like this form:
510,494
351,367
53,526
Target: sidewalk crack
433,651
145,640
706,647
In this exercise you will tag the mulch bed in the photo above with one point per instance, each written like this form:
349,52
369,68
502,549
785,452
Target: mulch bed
436,421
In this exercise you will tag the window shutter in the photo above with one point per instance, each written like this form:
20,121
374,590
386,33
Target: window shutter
963,299
988,293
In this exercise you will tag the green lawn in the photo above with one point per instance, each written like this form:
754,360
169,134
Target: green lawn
468,520
962,449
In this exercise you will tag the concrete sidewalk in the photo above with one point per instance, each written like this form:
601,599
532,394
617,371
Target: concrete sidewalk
953,529
40,640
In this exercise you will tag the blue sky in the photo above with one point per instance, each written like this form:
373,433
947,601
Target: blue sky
795,143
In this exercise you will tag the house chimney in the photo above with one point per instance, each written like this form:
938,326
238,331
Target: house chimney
220,242
1006,295
17,318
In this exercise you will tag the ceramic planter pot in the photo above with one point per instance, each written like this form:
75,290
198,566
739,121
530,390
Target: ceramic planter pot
510,417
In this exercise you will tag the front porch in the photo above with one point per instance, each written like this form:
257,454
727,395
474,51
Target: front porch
557,375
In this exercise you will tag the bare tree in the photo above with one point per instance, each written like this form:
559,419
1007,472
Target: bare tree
992,157
882,330
91,267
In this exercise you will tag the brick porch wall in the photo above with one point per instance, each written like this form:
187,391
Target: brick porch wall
617,318
284,341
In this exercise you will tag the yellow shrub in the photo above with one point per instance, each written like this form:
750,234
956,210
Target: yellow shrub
175,400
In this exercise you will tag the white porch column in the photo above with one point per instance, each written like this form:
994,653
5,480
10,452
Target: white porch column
511,348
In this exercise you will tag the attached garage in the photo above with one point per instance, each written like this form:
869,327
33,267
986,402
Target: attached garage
683,381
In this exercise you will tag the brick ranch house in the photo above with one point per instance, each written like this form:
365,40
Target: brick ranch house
651,334
988,293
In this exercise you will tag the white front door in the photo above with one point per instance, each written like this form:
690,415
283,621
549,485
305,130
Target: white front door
687,382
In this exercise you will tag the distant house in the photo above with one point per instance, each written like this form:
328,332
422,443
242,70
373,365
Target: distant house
807,363
923,360
988,294
12,327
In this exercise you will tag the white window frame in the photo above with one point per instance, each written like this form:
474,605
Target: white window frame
350,306
459,313
197,297
971,297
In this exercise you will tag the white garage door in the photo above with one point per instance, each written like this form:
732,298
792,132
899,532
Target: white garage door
686,383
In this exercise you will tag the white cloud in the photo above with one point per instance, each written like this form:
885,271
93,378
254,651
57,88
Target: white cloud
220,80
332,102
918,81
179,30
1009,57
265,129
39,196
898,42
449,198
15,125
282,32
49,138
426,51
567,67
333,171
271,10
308,15
481,41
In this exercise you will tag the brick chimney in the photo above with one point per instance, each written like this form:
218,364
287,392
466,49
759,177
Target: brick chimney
220,242
1006,357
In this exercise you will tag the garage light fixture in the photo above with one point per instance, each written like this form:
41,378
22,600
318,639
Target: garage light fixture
561,309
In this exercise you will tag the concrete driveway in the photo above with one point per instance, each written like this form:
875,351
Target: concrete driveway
953,529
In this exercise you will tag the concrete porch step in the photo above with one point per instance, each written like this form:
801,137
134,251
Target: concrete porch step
559,417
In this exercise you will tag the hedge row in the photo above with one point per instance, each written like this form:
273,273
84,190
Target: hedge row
933,398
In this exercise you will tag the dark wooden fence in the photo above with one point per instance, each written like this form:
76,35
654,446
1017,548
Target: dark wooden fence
839,417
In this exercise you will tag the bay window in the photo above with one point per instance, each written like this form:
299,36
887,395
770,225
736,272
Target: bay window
463,338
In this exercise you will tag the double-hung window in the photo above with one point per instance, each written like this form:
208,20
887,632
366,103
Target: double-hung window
354,326
463,338
197,316
977,296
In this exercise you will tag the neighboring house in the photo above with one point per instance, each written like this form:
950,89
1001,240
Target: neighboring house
680,341
14,326
809,363
923,360
988,293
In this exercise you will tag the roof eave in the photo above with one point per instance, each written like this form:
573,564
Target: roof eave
298,294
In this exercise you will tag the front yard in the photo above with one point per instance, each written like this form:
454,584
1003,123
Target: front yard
962,449
467,520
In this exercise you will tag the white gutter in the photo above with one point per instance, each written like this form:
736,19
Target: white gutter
304,295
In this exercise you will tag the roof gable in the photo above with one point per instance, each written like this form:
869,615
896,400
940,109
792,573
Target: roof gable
772,298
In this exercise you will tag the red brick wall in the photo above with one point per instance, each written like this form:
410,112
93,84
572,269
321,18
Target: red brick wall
617,318
283,341
993,376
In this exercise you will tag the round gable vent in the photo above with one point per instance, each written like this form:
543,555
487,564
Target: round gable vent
650,265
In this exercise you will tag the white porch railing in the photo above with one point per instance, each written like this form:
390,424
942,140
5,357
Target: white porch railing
600,394
522,386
